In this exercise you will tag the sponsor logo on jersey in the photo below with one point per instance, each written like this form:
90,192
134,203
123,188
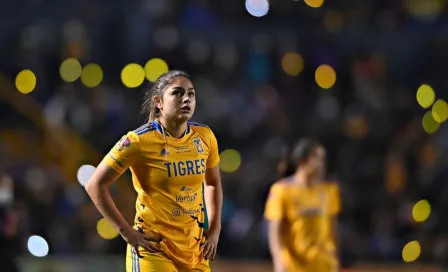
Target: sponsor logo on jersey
115,160
176,212
186,198
185,189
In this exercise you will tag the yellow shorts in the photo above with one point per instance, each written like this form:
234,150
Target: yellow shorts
158,263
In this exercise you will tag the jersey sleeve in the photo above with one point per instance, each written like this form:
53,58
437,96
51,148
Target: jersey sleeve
275,204
125,153
213,157
335,200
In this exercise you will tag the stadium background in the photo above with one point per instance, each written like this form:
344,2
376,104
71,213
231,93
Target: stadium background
377,105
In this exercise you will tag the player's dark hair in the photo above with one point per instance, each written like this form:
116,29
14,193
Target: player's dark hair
157,89
298,154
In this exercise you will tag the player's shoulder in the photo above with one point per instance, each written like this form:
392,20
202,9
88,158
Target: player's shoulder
282,184
199,128
196,125
135,136
144,129
279,189
330,185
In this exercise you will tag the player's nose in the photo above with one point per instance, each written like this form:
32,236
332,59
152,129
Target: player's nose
186,99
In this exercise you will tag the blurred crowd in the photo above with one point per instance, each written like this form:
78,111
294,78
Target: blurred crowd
370,122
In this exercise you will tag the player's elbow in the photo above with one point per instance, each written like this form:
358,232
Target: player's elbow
95,184
101,178
92,186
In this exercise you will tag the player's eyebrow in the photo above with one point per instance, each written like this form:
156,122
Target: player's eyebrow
182,88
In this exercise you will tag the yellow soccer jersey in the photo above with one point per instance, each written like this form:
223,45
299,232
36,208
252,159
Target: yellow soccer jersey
308,241
168,175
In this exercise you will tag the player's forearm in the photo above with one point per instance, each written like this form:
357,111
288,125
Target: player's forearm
275,244
102,199
275,249
213,200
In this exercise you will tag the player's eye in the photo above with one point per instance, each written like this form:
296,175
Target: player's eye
177,93
191,94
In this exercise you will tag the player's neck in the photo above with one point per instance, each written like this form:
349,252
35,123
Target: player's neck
174,129
303,179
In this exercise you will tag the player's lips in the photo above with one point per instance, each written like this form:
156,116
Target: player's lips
185,109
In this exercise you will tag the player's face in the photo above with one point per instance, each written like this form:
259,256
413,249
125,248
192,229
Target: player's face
179,99
316,162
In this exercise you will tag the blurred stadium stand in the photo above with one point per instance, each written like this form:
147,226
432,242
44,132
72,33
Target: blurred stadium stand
259,88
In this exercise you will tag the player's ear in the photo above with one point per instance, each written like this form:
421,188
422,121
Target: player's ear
157,100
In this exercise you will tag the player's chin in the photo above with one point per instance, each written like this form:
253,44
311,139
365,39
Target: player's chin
184,116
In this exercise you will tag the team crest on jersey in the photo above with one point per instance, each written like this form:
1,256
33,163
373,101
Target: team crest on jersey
198,145
124,143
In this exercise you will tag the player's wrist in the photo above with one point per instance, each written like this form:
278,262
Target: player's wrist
125,229
215,228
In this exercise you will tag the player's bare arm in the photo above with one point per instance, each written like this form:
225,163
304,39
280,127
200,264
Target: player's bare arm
98,190
275,246
213,200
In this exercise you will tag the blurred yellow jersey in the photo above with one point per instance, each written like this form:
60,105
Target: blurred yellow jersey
168,175
308,239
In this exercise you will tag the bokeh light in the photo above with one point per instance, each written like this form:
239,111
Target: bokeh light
429,124
325,76
155,68
84,174
421,211
440,111
292,63
411,251
70,70
91,75
230,160
257,8
37,246
425,96
132,75
106,230
26,81
314,3
425,11
356,126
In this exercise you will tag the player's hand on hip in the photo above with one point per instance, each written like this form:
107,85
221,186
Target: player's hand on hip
137,239
210,245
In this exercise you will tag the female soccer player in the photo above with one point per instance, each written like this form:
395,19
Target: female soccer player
175,228
301,210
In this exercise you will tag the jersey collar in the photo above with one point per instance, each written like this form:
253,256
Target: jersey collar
158,127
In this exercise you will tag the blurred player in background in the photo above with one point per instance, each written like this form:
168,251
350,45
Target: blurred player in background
169,157
301,209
